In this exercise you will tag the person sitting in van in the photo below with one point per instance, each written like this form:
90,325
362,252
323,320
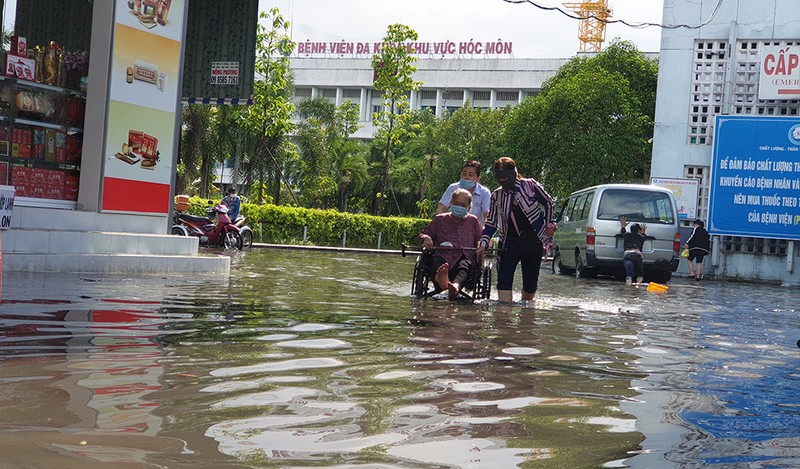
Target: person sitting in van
698,244
633,243
457,232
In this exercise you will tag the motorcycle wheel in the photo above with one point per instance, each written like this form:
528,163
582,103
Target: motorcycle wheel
232,240
177,231
247,238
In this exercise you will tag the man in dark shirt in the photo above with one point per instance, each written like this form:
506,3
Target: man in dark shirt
633,243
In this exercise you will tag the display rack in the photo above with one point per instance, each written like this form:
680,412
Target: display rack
41,138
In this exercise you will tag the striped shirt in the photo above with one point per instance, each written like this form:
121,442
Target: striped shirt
535,202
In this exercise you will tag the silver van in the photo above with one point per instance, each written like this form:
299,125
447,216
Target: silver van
588,240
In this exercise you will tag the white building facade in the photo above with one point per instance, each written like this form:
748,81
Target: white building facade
447,83
714,73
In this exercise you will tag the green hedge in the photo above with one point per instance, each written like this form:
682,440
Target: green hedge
284,225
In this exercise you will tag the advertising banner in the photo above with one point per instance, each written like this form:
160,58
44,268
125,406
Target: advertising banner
755,177
6,206
685,192
143,99
779,77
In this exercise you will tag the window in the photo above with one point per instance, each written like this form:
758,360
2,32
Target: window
636,206
427,94
329,93
566,210
302,92
481,95
587,207
453,95
351,93
708,83
577,211
507,96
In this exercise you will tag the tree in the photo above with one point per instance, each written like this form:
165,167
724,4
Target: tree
590,124
394,67
270,115
471,134
330,164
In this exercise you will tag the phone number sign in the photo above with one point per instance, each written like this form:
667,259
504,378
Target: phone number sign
224,73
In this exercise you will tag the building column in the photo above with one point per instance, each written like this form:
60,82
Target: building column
439,102
91,175
339,99
364,112
413,100
492,98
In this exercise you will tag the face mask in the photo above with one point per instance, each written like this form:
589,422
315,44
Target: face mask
507,178
466,183
459,211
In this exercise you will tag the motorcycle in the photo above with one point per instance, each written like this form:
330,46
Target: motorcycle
216,229
245,231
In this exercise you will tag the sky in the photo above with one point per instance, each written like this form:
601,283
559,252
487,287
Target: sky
534,33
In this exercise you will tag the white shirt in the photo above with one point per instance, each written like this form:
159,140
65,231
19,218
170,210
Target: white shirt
481,200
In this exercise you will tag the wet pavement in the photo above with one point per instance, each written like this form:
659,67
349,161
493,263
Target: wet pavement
307,359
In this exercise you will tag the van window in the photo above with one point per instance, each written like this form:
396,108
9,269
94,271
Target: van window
636,205
587,207
578,211
566,212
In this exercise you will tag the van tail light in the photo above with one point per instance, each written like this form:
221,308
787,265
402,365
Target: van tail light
590,235
676,242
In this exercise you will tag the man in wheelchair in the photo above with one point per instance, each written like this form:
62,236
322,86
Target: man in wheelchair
453,237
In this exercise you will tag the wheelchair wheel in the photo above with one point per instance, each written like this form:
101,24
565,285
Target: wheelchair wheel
483,287
419,284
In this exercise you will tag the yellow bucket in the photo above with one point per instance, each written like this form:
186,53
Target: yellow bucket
657,287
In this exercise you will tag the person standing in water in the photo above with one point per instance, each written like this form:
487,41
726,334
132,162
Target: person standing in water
522,211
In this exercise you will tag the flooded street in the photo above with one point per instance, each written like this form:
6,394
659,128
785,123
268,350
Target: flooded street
309,359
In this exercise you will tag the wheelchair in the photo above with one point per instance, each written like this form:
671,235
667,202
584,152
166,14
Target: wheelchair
479,281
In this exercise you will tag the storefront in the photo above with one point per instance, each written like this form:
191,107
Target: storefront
90,106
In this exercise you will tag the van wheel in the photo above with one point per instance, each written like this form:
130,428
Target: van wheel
580,270
660,277
558,267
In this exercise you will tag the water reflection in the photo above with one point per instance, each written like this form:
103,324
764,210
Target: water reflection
318,360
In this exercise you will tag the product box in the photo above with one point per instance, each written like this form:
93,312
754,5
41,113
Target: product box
50,144
54,192
4,173
74,148
20,174
21,189
4,141
38,143
55,177
19,46
37,190
61,147
38,175
20,67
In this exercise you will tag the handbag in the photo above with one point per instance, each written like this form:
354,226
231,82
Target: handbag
685,253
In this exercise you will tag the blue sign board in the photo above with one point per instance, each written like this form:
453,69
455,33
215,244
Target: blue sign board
755,177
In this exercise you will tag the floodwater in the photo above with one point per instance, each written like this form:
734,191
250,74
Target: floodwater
305,359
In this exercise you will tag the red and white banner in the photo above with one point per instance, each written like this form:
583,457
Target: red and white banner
143,102
780,72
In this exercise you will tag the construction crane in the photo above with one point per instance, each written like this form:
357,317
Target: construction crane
592,28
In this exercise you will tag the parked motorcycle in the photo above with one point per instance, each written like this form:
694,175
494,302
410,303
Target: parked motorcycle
215,229
245,231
